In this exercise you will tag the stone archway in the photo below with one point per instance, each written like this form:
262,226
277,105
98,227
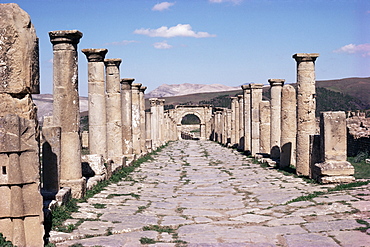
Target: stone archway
203,112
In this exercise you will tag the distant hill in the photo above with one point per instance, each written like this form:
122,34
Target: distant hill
166,90
332,95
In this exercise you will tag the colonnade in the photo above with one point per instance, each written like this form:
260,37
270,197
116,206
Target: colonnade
285,127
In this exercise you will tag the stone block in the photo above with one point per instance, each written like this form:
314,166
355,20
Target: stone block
19,51
92,165
336,179
334,168
78,187
63,196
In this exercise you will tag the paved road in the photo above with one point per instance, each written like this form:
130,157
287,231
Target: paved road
199,194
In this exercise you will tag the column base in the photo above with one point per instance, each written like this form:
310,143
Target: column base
78,187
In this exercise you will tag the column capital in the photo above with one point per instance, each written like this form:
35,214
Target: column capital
112,62
276,82
306,57
240,96
95,55
255,86
245,87
153,101
136,86
143,88
65,36
234,98
161,101
126,83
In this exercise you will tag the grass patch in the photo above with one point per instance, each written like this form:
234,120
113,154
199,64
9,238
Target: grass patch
159,229
99,205
145,240
339,187
363,228
4,242
362,170
62,213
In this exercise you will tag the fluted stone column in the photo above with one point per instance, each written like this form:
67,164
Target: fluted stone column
241,122
66,110
136,127
233,119
306,106
288,126
114,113
275,132
126,108
264,112
247,117
97,106
256,98
142,119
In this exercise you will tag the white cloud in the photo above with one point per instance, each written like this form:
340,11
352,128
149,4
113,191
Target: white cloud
162,6
363,49
224,1
181,30
162,45
123,42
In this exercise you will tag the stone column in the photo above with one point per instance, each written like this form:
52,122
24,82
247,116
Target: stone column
161,120
126,108
241,122
97,107
264,112
247,117
136,126
142,119
114,112
256,98
306,106
275,132
288,126
154,122
237,121
148,131
66,110
233,119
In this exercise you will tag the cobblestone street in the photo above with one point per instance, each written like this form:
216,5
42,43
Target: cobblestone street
198,193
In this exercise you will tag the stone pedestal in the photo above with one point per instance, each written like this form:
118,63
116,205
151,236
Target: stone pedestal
113,113
136,123
264,112
66,113
306,107
256,98
126,108
247,117
288,126
275,131
97,105
333,145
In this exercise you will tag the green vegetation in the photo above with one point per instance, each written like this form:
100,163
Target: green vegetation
362,169
339,187
145,240
99,205
4,242
219,101
159,229
60,214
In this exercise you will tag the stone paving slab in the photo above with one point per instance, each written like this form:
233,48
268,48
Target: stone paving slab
200,194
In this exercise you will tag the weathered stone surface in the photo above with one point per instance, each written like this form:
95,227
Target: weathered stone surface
306,106
19,52
309,240
275,131
264,125
93,164
21,106
334,168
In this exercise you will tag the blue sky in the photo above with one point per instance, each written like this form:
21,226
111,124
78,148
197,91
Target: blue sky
230,42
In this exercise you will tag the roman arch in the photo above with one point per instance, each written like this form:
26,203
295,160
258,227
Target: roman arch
203,112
